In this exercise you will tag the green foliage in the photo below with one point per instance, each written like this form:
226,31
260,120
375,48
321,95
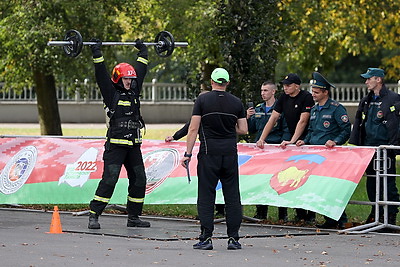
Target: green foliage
321,32
194,22
27,26
246,37
249,35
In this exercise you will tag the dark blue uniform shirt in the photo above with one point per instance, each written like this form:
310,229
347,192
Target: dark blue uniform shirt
328,122
257,122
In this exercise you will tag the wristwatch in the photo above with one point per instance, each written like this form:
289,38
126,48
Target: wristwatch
187,155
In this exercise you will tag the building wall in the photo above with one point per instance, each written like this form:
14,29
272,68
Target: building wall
93,112
73,112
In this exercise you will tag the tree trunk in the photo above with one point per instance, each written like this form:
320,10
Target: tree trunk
207,69
49,116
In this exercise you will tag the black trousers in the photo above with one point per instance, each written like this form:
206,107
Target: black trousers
306,215
392,191
114,157
210,169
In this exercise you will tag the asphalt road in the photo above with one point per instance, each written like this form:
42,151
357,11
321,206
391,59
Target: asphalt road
24,242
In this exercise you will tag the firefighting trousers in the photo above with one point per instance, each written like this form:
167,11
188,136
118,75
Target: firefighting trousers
210,169
114,157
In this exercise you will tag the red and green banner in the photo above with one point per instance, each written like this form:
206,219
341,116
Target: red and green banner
67,171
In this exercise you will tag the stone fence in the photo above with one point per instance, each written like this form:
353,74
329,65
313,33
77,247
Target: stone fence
161,102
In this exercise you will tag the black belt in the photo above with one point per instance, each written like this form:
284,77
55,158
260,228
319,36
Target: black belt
128,124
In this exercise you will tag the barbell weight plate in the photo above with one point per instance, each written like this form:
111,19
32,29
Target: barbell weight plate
74,48
167,44
72,45
62,43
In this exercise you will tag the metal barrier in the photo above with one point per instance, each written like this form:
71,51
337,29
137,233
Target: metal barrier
158,92
352,92
381,167
89,92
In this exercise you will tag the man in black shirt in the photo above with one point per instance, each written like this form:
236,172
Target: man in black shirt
217,117
295,106
182,132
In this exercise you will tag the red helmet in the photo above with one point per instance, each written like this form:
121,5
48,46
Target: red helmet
122,70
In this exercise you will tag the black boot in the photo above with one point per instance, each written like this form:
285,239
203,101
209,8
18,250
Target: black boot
301,214
93,221
261,212
310,217
329,224
134,221
282,214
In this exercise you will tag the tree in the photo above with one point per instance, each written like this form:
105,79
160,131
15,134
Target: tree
250,39
192,21
321,32
241,36
245,37
25,28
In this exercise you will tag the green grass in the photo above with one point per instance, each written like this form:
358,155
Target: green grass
153,134
356,213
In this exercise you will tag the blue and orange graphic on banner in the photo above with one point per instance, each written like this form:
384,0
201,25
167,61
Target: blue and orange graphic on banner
67,171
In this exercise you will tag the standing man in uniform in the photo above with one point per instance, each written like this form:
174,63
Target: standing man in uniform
329,126
256,119
295,105
377,124
218,117
182,132
121,98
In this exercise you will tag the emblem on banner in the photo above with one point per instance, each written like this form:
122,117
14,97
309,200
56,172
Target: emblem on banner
17,170
294,173
77,173
158,165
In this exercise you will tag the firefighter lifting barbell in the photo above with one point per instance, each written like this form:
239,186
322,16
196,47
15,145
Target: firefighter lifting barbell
164,43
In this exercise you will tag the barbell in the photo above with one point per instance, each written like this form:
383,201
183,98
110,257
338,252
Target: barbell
72,44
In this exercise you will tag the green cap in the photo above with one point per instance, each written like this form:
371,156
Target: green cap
371,72
220,75
320,81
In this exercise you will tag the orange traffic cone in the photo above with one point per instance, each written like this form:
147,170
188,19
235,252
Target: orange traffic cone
55,226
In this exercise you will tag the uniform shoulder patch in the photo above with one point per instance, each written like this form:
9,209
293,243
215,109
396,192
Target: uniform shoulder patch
335,103
345,118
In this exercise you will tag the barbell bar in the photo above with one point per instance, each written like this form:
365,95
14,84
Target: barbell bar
62,43
72,44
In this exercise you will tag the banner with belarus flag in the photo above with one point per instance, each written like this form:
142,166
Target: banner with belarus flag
50,170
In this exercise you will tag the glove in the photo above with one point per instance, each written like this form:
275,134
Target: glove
96,48
142,48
